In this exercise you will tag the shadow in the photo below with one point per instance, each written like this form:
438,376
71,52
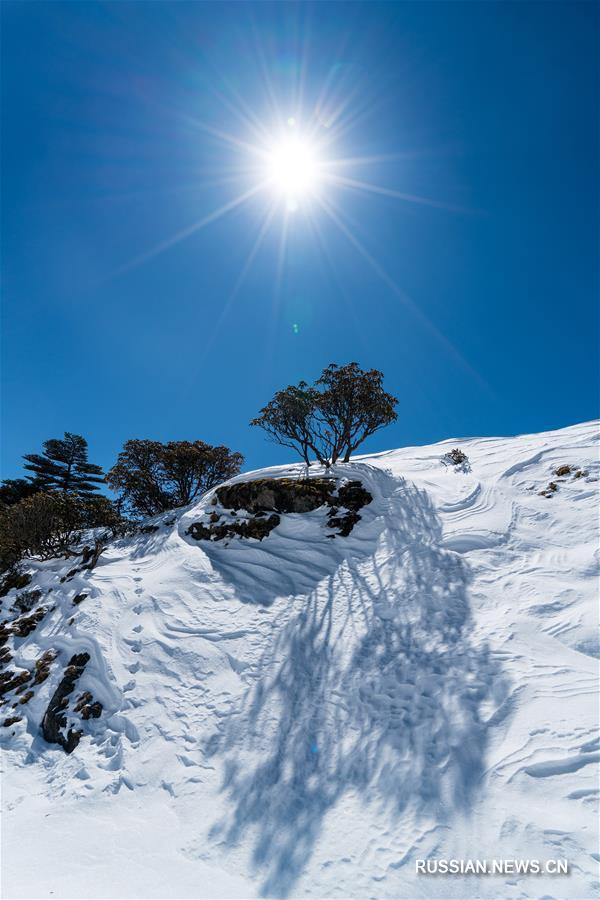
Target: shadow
374,685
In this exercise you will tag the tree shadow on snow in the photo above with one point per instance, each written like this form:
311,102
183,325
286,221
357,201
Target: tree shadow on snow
375,687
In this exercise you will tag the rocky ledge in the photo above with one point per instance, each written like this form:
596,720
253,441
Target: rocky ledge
263,501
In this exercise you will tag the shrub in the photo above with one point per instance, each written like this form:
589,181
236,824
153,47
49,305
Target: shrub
44,526
26,600
13,490
49,524
456,457
153,477
331,419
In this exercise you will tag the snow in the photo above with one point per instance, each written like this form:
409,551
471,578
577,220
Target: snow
305,717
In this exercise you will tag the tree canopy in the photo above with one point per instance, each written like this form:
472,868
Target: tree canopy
63,466
332,418
152,477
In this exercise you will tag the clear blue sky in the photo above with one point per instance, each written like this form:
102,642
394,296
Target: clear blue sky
481,309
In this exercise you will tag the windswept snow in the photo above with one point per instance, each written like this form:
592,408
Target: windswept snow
304,716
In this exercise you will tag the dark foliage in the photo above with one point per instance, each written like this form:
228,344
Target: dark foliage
63,466
289,419
456,457
153,477
333,418
13,490
49,524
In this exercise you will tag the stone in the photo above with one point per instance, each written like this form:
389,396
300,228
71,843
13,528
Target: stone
54,722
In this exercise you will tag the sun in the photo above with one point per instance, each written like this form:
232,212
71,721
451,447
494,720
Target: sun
292,168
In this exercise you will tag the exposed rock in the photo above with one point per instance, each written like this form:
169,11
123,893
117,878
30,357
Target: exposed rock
25,601
42,666
89,559
91,555
11,721
344,523
5,633
79,598
255,528
24,625
11,681
353,495
13,580
282,495
277,496
87,707
550,490
561,471
54,723
26,698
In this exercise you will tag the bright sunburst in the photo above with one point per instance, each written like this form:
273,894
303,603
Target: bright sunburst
294,165
293,168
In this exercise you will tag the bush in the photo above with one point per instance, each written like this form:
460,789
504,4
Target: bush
13,490
48,525
333,418
456,457
153,477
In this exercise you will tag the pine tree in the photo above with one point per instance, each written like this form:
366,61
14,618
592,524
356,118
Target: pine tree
63,466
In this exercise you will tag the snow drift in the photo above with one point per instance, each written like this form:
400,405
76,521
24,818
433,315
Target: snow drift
307,716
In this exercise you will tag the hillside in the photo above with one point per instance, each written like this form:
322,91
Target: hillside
308,714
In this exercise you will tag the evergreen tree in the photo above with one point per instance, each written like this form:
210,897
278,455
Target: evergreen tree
63,466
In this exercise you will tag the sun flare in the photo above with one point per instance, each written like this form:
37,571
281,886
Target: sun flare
292,168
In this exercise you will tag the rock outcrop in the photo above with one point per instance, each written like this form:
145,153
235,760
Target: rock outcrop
263,502
54,723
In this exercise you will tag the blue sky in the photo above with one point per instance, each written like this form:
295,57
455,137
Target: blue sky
480,308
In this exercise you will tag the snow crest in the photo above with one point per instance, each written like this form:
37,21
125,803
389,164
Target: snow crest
307,716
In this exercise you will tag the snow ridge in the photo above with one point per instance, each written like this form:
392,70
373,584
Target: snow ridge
302,716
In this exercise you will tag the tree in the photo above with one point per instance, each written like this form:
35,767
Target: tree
331,419
289,419
13,490
352,407
63,466
153,477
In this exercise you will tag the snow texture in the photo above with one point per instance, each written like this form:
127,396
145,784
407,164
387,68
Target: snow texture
306,717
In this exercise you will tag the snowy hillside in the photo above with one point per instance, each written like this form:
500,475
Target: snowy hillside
308,714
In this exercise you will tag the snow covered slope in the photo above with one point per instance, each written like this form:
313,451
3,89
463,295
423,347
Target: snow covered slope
308,717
